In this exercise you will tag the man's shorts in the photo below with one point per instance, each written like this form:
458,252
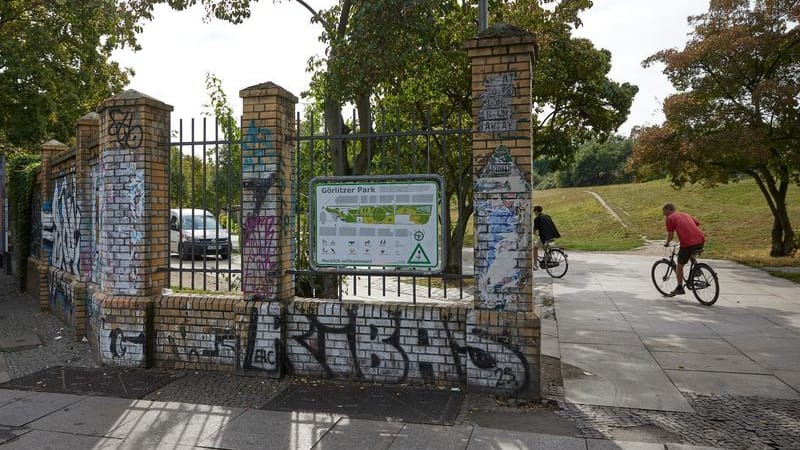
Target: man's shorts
685,252
537,242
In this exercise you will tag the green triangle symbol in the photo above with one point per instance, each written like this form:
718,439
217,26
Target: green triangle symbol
418,256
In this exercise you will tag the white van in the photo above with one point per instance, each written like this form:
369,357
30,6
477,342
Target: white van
196,232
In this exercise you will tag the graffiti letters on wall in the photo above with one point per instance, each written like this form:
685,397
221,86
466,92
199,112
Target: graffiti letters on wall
90,258
497,110
382,344
60,296
66,226
117,343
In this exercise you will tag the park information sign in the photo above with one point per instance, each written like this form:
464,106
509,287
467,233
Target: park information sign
376,223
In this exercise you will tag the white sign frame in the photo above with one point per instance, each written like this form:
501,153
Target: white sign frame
386,224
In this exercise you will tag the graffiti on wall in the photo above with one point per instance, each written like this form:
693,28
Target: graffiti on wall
382,344
47,228
117,343
122,209
90,258
66,253
60,296
260,256
263,351
218,345
506,243
122,129
497,109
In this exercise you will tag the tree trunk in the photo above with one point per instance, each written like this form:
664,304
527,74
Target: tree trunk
782,233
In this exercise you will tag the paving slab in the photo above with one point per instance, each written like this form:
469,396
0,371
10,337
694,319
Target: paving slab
679,344
34,406
602,444
95,416
9,433
350,433
599,337
49,440
166,423
707,362
4,375
723,383
789,377
431,437
20,341
9,395
491,439
257,429
770,352
623,376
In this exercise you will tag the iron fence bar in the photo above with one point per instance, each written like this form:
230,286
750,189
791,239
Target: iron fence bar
180,202
205,181
193,199
428,139
216,197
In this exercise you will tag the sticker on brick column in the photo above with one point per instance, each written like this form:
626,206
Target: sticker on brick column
501,174
497,109
503,241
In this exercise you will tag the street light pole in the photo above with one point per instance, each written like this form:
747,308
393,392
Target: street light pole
483,15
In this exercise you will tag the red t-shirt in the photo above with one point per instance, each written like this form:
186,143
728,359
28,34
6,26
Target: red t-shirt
687,228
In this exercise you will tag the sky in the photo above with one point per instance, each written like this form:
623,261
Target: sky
275,44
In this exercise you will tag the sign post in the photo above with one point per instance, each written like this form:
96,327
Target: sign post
391,224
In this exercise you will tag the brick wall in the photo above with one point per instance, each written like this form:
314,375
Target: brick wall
196,331
118,326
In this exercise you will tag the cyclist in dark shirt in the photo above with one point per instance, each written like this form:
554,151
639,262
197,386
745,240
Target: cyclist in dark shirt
543,226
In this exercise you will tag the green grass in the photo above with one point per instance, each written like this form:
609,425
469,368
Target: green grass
735,216
791,276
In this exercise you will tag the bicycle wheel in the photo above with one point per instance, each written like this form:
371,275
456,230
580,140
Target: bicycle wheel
662,273
555,263
705,284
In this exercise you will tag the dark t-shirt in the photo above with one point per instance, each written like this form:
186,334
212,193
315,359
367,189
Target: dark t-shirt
546,228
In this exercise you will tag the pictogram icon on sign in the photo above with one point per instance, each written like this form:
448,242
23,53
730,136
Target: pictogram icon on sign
418,256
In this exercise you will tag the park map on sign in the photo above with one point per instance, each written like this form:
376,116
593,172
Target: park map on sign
377,223
384,214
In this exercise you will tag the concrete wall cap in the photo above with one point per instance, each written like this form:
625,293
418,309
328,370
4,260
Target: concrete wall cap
55,144
89,118
132,94
266,88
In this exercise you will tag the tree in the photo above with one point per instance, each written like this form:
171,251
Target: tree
599,163
55,66
385,52
736,110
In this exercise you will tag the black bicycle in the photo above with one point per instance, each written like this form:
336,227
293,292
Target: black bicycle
554,261
702,279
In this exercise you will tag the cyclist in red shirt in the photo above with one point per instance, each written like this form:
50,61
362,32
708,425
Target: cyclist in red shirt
689,235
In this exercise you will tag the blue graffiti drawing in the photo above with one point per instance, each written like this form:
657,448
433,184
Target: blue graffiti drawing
501,270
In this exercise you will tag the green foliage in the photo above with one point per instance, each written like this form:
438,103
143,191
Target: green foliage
738,106
598,163
21,176
55,63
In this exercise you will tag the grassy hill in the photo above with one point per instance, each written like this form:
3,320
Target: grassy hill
735,217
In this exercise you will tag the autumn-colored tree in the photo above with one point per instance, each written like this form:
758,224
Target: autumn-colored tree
736,111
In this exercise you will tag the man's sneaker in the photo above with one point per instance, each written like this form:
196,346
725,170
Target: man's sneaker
677,291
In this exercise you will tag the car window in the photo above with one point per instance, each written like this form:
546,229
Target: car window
199,223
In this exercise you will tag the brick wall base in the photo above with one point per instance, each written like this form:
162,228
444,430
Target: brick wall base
372,342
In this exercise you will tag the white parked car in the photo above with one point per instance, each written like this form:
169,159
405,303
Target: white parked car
196,232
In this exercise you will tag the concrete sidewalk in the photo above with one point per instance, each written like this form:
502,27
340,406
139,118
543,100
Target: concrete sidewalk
628,369
30,420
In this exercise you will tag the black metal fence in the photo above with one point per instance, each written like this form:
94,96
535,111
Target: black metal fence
394,143
205,198
205,178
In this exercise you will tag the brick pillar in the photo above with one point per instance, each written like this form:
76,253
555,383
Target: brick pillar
50,150
268,125
87,134
502,60
134,200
